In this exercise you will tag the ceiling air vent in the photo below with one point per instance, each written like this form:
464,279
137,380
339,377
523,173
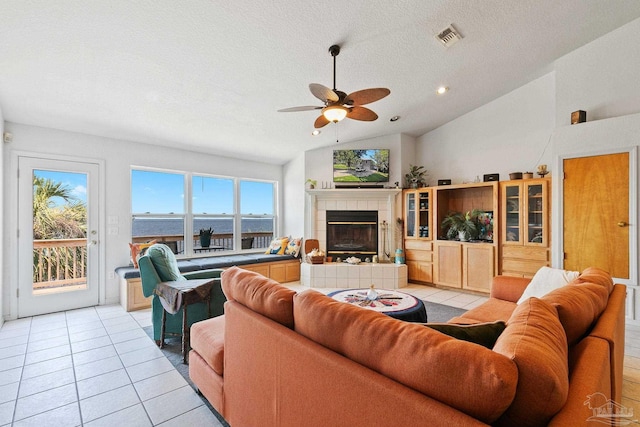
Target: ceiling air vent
449,36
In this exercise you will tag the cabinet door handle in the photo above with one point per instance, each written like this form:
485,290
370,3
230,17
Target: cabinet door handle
622,224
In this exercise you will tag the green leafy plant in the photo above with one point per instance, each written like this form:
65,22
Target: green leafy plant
464,226
312,183
206,231
416,176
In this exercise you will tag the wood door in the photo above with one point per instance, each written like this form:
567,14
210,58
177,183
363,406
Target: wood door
596,213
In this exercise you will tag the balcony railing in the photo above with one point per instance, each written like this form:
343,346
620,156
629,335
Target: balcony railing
59,262
219,241
63,262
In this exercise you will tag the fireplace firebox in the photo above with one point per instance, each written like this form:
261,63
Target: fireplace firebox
352,234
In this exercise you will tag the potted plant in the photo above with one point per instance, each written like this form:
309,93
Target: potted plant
312,183
205,237
415,177
465,226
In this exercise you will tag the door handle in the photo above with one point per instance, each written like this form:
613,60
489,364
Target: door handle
622,224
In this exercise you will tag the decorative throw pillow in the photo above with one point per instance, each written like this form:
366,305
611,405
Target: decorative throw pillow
293,247
546,280
139,249
485,334
277,246
165,263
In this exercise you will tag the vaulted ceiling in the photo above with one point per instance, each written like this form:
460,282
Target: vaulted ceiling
209,75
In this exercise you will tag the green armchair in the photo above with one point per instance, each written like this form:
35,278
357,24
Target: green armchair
159,265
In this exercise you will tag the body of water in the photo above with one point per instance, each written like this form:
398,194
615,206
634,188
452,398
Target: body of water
173,226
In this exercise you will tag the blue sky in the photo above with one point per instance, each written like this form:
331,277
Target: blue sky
160,192
75,182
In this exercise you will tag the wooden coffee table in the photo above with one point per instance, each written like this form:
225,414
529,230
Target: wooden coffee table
398,305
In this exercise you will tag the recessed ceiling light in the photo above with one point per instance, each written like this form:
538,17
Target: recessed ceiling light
442,89
394,119
316,132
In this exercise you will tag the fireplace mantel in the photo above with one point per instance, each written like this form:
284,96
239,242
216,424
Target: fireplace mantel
382,200
355,193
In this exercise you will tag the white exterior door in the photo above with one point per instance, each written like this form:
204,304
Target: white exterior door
58,241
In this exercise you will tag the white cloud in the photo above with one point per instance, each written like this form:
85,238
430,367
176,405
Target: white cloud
79,190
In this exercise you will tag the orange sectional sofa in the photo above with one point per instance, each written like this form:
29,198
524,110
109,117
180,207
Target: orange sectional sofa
277,358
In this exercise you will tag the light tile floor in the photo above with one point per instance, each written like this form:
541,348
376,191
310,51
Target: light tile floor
97,367
91,367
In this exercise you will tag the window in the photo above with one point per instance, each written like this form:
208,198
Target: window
157,207
257,213
162,211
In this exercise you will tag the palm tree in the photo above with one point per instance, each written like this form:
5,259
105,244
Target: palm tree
50,221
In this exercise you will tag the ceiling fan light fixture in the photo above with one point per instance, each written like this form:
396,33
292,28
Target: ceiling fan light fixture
334,113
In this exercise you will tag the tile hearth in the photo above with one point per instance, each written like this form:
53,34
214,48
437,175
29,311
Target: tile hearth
363,275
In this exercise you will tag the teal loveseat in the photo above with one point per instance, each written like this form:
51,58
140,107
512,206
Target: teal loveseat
159,265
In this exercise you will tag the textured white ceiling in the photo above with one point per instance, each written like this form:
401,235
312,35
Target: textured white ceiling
210,75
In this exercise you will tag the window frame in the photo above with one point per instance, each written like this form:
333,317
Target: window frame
189,216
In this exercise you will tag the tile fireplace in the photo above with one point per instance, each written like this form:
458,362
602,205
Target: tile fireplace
352,234
382,202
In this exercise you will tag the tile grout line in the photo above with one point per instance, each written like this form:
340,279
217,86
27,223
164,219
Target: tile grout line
24,359
73,369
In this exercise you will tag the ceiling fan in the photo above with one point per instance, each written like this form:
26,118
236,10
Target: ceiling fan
337,104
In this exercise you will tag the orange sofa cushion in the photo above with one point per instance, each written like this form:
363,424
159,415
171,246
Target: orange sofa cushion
207,338
259,293
579,307
597,276
466,376
535,340
493,309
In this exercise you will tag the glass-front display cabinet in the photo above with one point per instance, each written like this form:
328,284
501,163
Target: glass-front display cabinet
417,214
525,211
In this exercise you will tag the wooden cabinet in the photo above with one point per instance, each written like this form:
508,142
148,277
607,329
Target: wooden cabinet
417,234
466,265
417,214
419,260
525,240
478,262
284,272
135,298
448,270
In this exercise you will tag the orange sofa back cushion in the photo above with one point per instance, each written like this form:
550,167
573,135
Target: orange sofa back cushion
579,307
595,275
466,376
259,293
536,342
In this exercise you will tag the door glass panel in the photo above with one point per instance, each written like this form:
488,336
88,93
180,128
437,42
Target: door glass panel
535,214
424,215
410,222
59,231
513,213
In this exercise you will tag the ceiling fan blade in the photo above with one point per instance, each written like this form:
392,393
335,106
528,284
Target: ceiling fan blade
323,93
361,113
302,108
321,121
366,96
